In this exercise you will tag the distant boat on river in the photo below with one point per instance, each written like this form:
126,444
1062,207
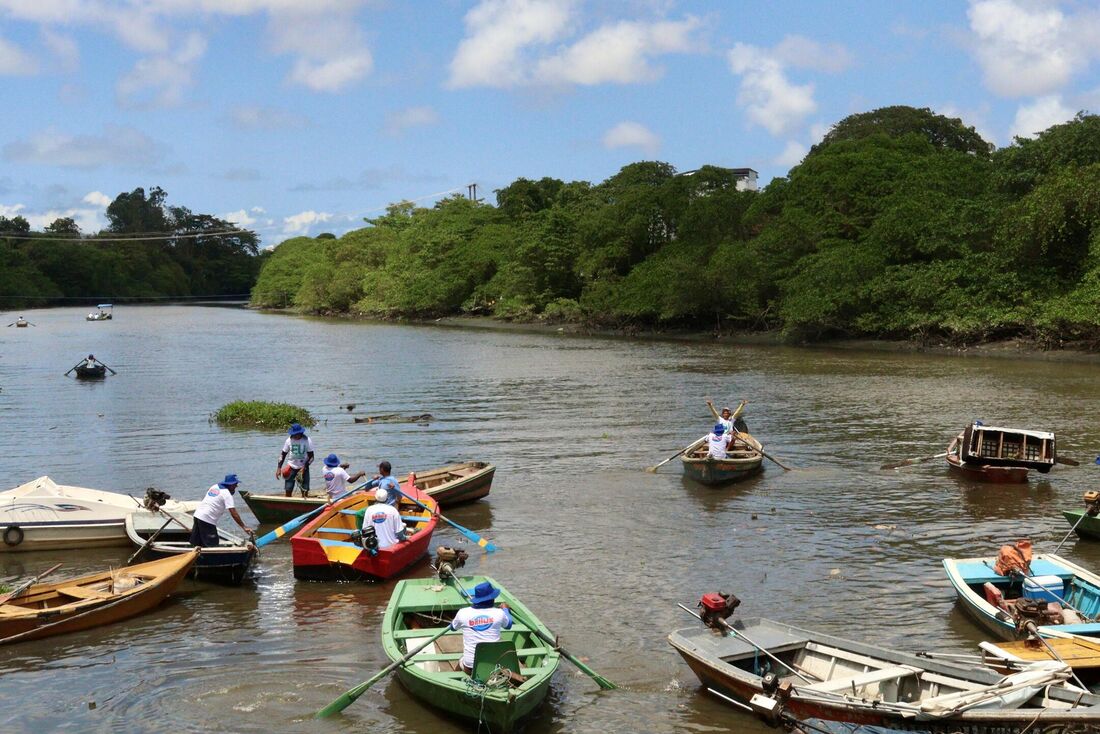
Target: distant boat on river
1001,455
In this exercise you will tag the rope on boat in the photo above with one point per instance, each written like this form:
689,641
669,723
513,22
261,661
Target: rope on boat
498,679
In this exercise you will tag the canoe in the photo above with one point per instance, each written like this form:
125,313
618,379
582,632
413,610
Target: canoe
1000,455
418,608
229,563
91,601
447,485
741,462
85,372
865,684
995,603
44,515
321,550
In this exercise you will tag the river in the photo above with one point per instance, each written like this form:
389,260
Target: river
601,550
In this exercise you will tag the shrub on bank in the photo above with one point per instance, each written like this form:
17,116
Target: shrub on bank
261,414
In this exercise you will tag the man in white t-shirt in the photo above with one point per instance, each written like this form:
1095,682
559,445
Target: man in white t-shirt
337,477
718,442
482,621
299,448
217,501
385,519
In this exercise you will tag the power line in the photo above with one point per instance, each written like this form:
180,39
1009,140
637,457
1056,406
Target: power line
137,237
121,299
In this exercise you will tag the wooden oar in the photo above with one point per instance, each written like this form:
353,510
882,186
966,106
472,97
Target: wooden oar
762,452
348,697
18,590
71,368
483,542
1066,460
1071,532
910,462
602,682
689,447
149,542
292,525
108,368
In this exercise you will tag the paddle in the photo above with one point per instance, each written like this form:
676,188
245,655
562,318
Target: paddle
483,542
71,368
348,697
149,542
108,368
1071,532
910,462
602,682
689,447
1066,460
18,590
292,525
763,453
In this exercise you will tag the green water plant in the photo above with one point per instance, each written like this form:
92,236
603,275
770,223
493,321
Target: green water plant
262,414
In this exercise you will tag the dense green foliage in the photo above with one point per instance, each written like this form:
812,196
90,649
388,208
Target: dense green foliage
187,257
900,223
260,414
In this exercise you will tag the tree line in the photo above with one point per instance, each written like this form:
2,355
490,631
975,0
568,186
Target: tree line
149,250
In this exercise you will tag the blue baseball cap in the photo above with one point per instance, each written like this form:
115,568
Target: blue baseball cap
229,481
719,429
295,429
332,460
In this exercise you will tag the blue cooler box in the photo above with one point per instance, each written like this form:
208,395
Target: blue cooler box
1046,588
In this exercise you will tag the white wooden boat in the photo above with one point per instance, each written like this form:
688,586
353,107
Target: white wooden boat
44,515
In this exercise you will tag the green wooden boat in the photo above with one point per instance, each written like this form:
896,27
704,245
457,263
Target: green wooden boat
1089,528
419,607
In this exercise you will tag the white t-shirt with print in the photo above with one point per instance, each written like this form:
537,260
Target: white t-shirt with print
215,504
728,423
717,446
336,481
386,521
297,451
479,625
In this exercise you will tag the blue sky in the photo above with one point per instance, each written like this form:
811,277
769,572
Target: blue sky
303,116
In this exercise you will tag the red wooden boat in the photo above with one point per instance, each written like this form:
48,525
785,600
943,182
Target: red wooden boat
327,549
1000,455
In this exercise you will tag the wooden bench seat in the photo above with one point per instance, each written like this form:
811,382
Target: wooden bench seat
880,675
83,592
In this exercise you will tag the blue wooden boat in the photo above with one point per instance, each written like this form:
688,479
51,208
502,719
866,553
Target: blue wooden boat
1063,604
742,460
228,563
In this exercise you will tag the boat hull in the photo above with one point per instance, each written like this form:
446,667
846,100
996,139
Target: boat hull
986,473
91,373
715,473
1089,528
228,563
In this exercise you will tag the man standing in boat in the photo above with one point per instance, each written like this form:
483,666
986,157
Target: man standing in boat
337,477
218,501
384,480
482,621
384,518
299,447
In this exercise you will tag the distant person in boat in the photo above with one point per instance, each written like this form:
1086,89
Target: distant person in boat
384,480
337,477
718,442
299,447
482,621
90,362
732,420
384,518
218,501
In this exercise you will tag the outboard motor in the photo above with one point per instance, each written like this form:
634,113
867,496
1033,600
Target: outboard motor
448,559
717,607
369,539
1092,503
155,498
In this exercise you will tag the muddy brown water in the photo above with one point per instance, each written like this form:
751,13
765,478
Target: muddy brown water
601,550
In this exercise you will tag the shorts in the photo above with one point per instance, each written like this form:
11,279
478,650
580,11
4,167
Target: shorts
204,535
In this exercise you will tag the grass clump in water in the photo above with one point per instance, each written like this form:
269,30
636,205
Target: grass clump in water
262,414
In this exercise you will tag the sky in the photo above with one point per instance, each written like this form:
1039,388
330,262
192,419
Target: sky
296,117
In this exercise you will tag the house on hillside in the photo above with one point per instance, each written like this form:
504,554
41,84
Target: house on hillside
746,177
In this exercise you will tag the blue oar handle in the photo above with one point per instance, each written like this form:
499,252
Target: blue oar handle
297,522
487,545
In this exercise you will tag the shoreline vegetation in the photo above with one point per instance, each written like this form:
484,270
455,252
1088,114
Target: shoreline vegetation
900,226
262,415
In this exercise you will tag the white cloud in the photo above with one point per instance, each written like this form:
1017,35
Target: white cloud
792,154
328,46
117,146
1028,49
300,223
497,32
632,135
89,220
818,131
160,81
241,218
399,121
769,98
14,61
805,53
978,118
97,198
64,49
256,117
618,53
1036,117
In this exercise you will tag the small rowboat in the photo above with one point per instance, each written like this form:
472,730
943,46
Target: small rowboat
1000,455
997,604
21,323
227,564
322,552
93,600
741,461
419,607
96,372
447,485
834,679
104,313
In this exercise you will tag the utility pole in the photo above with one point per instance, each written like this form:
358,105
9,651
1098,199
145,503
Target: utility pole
471,193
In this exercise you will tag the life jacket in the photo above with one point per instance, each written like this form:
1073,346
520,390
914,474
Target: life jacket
1014,558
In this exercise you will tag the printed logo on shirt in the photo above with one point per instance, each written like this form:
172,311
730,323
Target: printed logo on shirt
212,493
329,476
481,623
378,517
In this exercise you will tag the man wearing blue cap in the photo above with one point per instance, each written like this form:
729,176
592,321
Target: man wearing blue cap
336,476
299,446
482,621
218,500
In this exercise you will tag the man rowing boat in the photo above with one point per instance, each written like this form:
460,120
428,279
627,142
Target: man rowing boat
480,622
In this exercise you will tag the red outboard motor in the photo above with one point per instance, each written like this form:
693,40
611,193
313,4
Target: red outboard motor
717,607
